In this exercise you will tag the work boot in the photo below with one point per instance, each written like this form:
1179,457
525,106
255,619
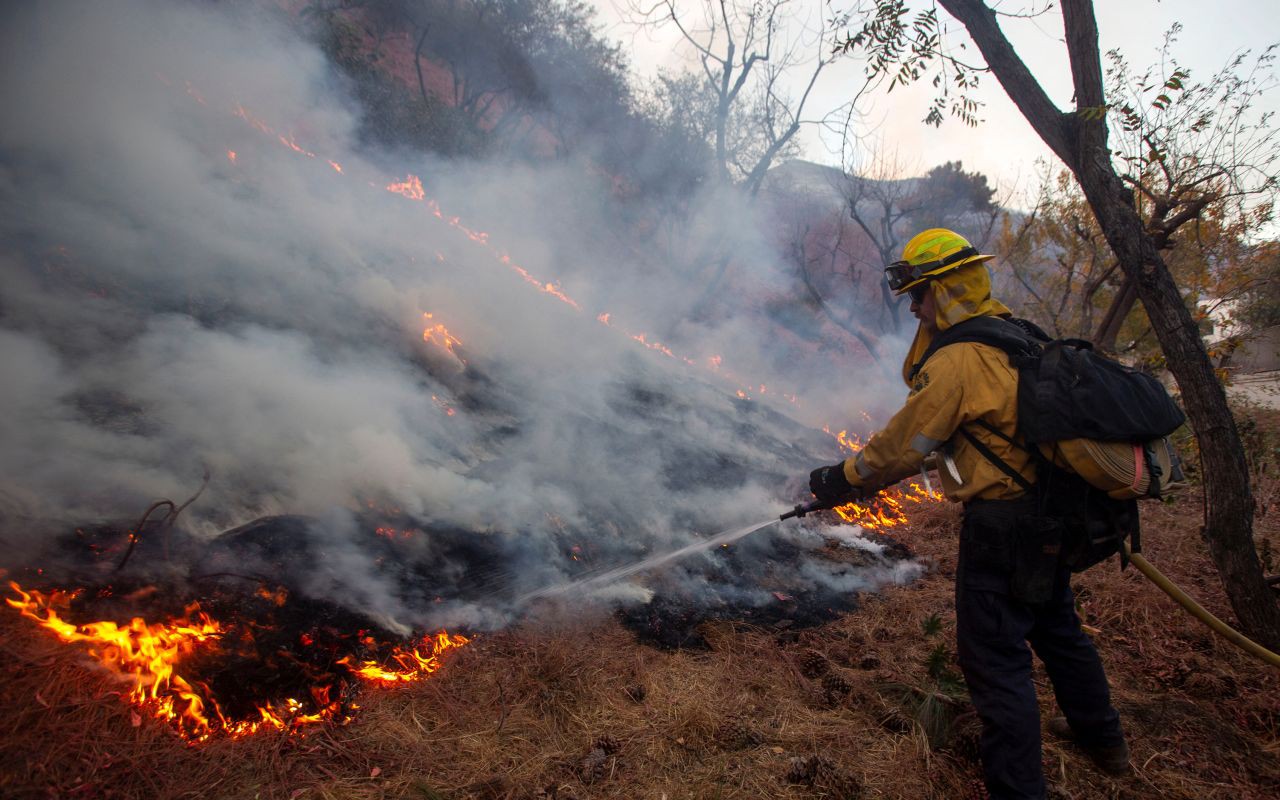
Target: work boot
1113,760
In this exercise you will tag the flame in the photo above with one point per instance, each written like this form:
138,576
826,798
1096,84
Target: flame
279,597
244,114
547,286
231,156
448,410
851,443
436,333
292,145
411,188
407,664
885,509
394,533
148,655
661,348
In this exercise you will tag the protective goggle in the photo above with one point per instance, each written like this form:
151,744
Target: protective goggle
902,273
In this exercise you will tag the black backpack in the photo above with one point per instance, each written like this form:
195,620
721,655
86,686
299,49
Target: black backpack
1068,392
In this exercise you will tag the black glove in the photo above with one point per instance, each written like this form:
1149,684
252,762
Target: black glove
829,484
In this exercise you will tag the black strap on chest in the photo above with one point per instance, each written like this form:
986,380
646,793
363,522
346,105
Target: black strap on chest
996,460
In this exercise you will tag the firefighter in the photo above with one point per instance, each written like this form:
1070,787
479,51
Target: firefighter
960,385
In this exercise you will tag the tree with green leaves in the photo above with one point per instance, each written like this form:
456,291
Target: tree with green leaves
949,197
1056,266
1054,262
1191,151
909,47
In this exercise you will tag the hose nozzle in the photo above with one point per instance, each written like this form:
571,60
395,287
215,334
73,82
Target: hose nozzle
822,505
807,508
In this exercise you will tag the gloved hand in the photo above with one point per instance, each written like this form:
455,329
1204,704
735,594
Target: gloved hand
829,484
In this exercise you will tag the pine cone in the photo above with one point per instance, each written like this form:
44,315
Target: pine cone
837,783
869,662
591,767
803,770
813,664
606,743
892,719
964,738
636,692
835,687
735,734
975,789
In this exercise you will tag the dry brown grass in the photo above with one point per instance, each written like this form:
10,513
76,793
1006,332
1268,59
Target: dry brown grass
514,714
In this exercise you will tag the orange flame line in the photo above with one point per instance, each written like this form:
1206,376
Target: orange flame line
412,189
148,654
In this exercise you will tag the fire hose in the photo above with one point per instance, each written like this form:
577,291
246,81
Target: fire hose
1149,571
1199,612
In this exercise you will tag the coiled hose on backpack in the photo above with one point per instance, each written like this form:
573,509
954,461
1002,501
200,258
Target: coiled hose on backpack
1198,611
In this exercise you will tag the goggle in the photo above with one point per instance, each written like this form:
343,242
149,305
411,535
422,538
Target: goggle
901,273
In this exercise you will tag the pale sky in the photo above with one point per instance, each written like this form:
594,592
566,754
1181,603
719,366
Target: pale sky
1004,147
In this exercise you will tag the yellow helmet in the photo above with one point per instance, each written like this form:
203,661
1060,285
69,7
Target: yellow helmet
929,254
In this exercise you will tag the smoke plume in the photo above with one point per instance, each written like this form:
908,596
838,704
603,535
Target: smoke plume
203,269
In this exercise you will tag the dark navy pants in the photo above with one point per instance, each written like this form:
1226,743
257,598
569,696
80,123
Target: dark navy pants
993,631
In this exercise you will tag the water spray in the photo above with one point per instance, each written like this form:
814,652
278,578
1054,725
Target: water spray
617,573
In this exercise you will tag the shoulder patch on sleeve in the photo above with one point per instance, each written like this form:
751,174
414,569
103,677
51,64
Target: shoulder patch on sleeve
921,381
946,362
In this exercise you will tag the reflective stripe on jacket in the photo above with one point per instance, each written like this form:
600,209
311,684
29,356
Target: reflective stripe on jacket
960,383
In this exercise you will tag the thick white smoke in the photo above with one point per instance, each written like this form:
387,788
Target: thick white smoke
183,288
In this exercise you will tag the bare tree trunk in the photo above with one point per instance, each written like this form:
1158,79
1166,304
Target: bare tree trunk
1081,142
848,324
1121,305
417,63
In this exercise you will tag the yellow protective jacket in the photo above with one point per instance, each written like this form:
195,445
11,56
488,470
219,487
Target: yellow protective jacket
960,383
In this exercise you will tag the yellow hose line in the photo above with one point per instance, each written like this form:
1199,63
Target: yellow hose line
1183,599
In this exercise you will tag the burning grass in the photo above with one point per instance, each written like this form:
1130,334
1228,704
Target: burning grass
573,707
209,678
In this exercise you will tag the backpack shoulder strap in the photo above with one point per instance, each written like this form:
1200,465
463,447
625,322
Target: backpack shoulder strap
997,461
1018,338
994,431
1031,329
